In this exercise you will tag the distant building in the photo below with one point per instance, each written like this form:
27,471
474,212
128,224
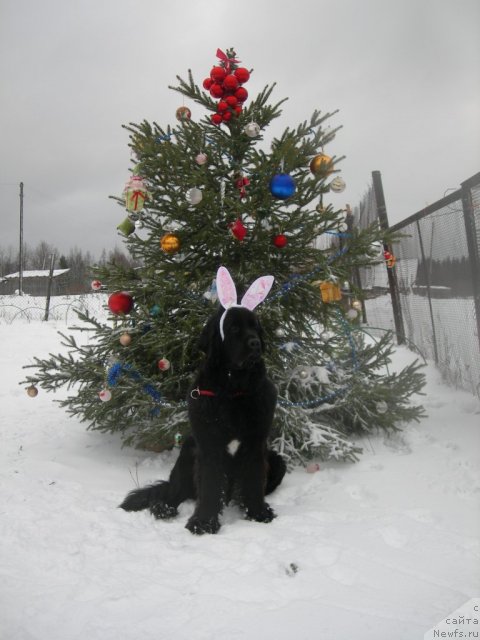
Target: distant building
35,283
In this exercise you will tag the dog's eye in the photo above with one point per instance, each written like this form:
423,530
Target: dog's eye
235,329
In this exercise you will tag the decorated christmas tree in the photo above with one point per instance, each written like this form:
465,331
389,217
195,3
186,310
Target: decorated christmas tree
212,191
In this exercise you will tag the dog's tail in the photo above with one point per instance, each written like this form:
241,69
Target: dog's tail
146,497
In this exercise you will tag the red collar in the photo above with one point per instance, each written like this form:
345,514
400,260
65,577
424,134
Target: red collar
196,393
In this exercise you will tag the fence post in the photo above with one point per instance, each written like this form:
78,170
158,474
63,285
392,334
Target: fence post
392,277
473,244
426,270
49,288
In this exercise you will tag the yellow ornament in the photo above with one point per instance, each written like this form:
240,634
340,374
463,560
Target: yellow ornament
330,291
170,243
321,165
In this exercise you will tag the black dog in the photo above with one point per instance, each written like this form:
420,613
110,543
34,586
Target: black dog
231,407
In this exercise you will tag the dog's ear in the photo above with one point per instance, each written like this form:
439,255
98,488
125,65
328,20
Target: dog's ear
210,341
261,335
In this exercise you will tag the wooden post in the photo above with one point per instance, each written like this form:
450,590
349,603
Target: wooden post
392,278
49,287
473,241
20,254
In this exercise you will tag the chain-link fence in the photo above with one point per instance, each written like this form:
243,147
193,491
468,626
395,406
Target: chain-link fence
26,308
436,280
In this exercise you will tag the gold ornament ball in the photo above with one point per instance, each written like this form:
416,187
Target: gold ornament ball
356,304
32,391
321,164
170,243
183,113
125,339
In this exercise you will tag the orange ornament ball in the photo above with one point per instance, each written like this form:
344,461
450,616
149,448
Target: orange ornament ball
170,243
321,164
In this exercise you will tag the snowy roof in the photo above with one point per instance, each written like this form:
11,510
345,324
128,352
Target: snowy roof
40,273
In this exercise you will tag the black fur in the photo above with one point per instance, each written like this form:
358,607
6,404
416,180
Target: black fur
242,409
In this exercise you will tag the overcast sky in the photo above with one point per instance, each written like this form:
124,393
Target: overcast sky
405,76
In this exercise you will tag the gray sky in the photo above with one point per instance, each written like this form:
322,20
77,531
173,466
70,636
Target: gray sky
403,74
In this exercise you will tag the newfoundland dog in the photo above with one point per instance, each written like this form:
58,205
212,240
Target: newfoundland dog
230,406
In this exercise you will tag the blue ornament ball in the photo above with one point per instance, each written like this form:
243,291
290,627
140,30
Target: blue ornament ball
282,186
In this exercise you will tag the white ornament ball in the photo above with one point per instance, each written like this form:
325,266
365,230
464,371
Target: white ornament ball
382,406
342,227
280,333
338,185
352,314
303,374
201,158
252,129
312,467
105,395
194,196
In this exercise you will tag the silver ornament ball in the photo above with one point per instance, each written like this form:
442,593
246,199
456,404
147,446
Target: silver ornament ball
252,129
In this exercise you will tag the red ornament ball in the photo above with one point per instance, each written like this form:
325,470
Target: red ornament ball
280,241
120,302
231,101
217,74
207,83
222,105
238,229
241,94
230,83
216,118
227,116
242,74
216,90
238,110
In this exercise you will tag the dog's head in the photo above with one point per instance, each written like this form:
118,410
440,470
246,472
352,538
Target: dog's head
242,344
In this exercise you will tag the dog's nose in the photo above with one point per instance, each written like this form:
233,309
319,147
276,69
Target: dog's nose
254,345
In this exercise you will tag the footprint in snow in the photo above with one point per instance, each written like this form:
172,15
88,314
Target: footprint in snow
393,537
343,574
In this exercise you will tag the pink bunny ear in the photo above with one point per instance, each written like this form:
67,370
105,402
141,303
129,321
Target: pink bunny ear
257,292
227,294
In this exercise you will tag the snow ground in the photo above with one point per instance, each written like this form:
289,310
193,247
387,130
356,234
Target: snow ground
384,548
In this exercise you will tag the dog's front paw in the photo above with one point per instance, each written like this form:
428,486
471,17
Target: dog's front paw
163,511
198,526
265,514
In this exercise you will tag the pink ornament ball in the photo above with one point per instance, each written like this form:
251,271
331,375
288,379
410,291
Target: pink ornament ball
105,395
312,467
164,364
96,285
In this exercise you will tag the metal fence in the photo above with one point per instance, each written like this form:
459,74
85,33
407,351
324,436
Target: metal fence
435,280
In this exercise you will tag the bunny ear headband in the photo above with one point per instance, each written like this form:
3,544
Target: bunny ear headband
227,293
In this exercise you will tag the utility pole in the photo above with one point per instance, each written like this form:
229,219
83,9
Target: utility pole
20,260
